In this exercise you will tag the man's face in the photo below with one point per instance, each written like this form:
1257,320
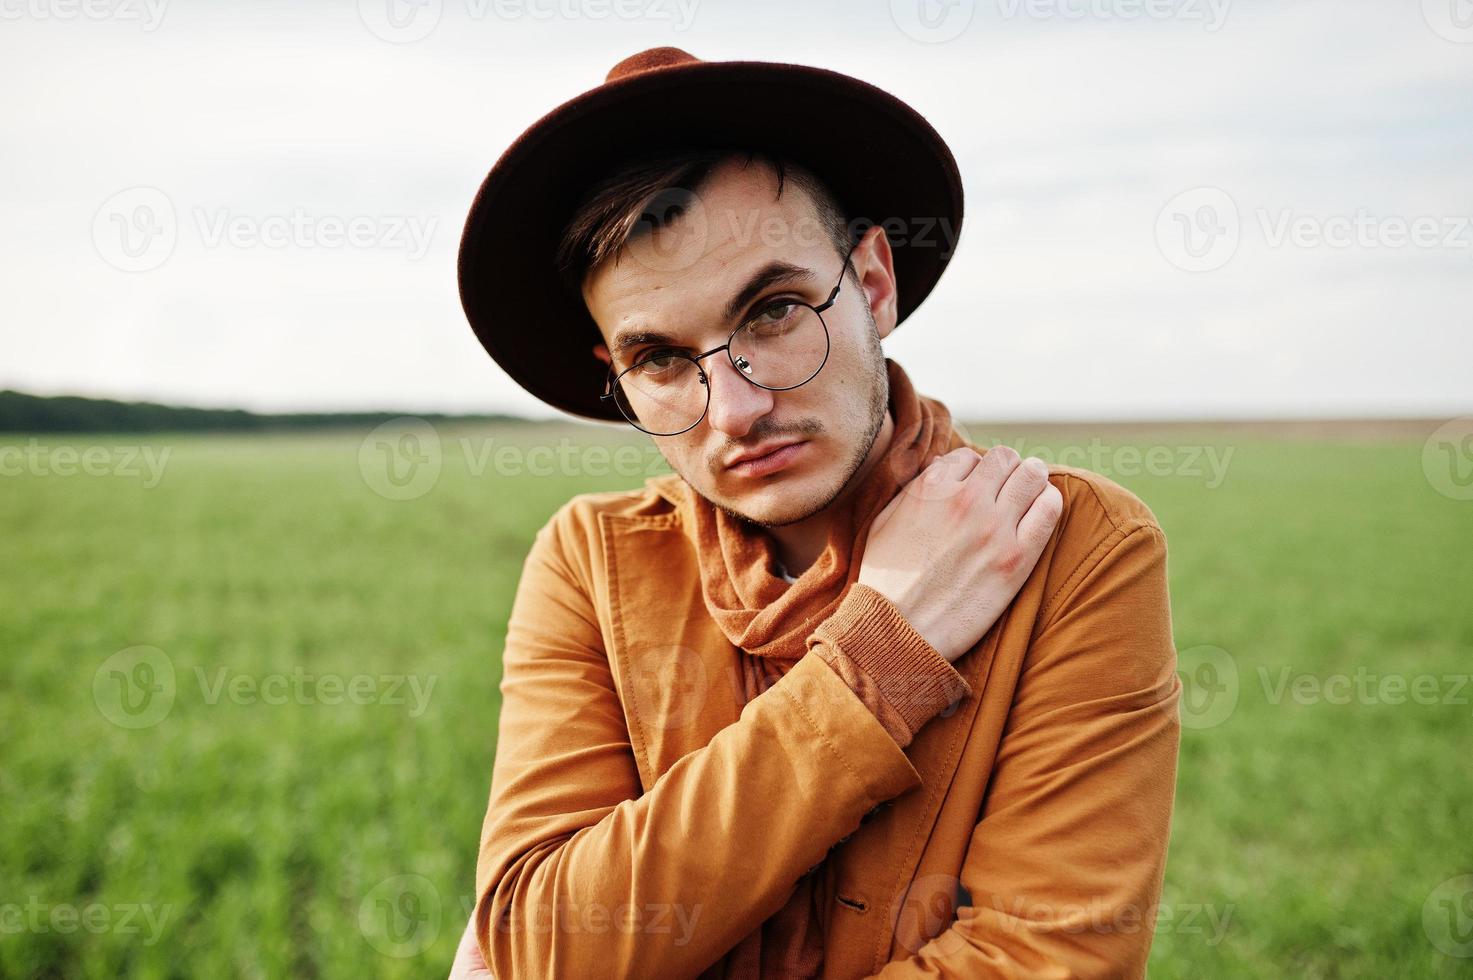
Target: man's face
678,281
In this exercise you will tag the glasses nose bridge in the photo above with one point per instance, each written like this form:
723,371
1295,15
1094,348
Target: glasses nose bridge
716,350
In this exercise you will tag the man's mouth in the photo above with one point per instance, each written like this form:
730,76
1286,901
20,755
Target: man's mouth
771,459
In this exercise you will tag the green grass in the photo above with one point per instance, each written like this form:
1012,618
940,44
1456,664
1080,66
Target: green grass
237,837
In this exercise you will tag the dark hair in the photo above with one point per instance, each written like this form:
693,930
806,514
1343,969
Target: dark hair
647,194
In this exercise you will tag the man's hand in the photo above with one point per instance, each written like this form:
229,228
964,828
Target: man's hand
958,541
469,963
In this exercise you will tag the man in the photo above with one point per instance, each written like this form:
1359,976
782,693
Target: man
843,696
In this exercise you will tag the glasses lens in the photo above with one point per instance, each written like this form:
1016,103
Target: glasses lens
662,394
782,346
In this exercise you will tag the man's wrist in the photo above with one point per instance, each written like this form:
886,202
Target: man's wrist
892,668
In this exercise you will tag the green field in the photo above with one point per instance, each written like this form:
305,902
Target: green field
249,700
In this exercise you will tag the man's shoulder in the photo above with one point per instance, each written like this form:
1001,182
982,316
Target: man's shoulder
1100,518
1097,504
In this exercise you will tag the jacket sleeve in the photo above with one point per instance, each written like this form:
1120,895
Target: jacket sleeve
904,685
583,873
1064,869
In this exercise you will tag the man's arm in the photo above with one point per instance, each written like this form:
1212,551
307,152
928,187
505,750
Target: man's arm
581,872
1065,867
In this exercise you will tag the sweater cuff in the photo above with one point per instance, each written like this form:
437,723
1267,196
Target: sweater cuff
891,667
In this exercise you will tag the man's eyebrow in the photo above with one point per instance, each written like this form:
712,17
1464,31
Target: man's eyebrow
775,273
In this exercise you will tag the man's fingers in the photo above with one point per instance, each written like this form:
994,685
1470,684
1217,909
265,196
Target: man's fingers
1038,523
959,463
993,471
1022,487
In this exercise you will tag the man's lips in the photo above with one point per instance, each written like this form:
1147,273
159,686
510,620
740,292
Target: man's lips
766,459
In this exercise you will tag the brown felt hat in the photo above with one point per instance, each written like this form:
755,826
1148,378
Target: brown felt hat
883,161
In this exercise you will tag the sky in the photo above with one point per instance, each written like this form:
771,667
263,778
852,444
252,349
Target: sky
1175,208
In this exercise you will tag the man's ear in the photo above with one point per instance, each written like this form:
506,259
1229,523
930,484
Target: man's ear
878,278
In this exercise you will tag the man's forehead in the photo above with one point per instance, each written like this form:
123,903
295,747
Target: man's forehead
732,238
721,304
736,195
734,213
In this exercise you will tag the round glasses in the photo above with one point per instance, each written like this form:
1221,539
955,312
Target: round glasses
782,345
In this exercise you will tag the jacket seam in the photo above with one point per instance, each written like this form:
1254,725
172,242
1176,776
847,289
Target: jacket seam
823,736
1103,550
1105,507
616,625
575,573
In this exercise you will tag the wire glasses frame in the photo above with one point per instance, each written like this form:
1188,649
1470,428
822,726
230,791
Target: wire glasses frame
611,382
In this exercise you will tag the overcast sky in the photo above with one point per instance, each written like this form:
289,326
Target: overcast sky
1176,208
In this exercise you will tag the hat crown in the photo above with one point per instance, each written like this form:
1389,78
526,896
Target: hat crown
650,59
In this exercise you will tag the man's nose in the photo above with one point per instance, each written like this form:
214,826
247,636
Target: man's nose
735,402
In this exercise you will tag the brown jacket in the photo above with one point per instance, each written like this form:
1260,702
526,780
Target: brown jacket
650,811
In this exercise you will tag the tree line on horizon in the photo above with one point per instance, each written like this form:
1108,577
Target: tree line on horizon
22,412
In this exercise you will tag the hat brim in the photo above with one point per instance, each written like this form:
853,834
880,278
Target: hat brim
882,159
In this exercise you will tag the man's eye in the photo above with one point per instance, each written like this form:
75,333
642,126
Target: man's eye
772,317
658,361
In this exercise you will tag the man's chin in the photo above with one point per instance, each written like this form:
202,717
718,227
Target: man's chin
776,502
